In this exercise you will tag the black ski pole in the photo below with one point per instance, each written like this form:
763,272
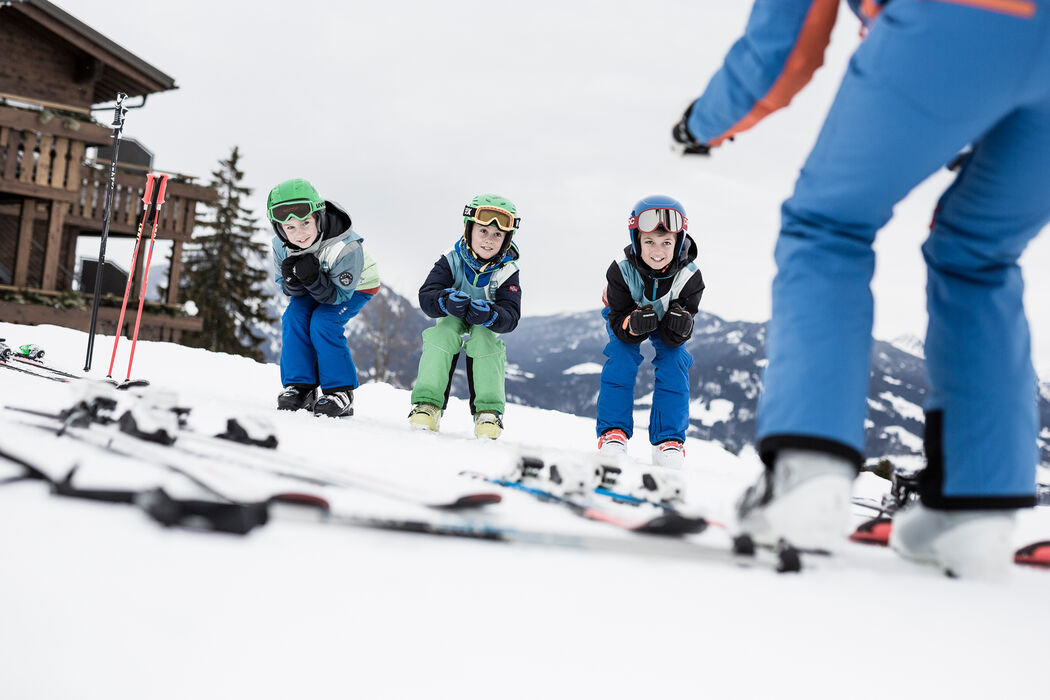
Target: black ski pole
118,126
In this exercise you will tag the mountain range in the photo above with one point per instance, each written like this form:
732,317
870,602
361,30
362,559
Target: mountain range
555,362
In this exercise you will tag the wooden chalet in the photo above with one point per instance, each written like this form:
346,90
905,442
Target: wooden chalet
53,70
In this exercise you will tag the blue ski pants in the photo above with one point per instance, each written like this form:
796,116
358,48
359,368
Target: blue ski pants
931,78
314,349
669,416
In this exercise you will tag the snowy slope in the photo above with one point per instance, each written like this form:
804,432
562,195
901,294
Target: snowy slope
99,602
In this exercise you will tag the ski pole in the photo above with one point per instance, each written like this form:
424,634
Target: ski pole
161,186
149,203
118,126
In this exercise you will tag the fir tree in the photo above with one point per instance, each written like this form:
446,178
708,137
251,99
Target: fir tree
223,269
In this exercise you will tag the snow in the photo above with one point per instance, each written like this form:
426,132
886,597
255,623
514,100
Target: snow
584,368
903,407
716,411
906,438
100,602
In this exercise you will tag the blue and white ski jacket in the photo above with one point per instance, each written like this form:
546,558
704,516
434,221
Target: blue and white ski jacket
496,282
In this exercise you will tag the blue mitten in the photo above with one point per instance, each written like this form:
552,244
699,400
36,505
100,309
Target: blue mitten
454,302
480,313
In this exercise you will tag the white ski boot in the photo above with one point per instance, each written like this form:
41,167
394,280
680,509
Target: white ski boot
804,499
425,416
612,443
669,453
975,544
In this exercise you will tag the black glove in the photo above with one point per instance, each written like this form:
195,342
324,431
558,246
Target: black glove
306,268
642,321
684,141
454,302
678,321
287,272
480,313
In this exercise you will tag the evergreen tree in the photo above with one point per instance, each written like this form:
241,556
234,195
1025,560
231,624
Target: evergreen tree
223,269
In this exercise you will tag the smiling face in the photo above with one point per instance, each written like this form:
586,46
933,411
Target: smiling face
658,249
302,232
486,241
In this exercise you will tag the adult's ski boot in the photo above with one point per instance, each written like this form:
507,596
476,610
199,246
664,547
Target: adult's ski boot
974,544
804,499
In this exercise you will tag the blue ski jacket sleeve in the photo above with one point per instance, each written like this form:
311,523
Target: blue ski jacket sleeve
782,47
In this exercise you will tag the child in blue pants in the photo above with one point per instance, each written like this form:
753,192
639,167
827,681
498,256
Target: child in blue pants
653,291
320,263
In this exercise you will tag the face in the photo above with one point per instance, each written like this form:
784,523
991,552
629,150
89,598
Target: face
486,241
658,249
301,233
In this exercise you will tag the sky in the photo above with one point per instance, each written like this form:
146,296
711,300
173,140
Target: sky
402,111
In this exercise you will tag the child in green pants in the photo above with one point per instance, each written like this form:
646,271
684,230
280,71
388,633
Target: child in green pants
472,289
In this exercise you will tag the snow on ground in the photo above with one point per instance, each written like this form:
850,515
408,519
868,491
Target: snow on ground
96,601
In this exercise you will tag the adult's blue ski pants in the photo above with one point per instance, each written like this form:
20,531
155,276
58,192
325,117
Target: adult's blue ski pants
931,78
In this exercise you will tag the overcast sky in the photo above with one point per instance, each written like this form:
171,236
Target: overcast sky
401,111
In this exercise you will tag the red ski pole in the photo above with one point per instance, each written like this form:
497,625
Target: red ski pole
149,203
145,270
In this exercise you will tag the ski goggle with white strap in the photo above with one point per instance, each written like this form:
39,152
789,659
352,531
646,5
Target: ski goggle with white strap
649,220
297,209
488,215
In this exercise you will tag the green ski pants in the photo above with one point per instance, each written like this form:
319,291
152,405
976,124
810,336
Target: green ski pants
486,365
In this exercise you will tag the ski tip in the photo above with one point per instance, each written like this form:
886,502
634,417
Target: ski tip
1035,554
875,531
474,500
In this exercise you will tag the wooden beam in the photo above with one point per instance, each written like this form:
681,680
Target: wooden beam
25,173
58,165
76,162
26,119
28,189
43,163
53,249
175,272
25,241
11,159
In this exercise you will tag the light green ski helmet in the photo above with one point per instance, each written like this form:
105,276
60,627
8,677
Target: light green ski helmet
293,198
486,209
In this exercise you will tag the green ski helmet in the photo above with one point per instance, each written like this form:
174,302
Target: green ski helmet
489,209
293,199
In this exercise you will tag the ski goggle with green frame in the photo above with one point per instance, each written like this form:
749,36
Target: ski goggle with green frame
300,209
486,215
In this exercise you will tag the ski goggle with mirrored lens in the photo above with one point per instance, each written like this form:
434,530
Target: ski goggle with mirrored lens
486,216
298,209
649,220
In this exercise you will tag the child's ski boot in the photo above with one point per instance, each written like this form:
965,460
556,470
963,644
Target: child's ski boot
294,397
669,453
335,404
613,442
487,425
425,416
